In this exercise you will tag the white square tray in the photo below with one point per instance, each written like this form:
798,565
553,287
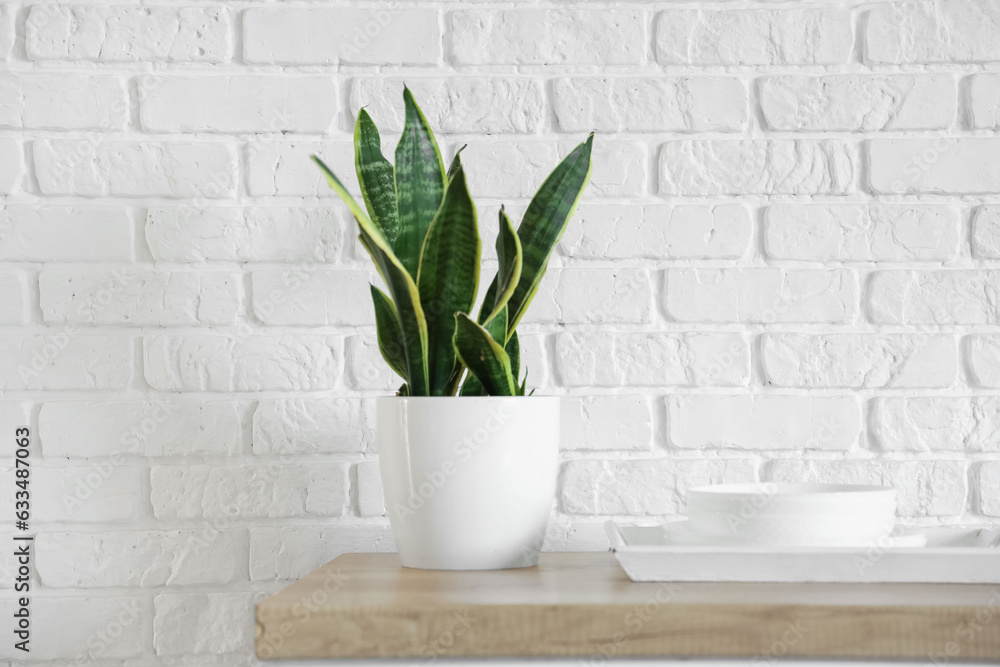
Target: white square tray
951,556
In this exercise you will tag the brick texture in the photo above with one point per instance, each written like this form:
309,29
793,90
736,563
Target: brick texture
786,267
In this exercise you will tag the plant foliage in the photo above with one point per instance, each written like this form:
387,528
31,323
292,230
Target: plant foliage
420,227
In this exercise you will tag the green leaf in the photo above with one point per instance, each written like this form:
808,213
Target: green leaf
376,176
545,222
486,309
456,162
483,357
403,289
472,387
509,272
513,350
420,183
367,226
497,325
412,323
390,335
448,277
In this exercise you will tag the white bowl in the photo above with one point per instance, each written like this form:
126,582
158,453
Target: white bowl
793,514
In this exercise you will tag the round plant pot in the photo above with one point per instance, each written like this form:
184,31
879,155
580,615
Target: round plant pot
469,481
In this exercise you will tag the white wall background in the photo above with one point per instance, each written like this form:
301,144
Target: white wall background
787,268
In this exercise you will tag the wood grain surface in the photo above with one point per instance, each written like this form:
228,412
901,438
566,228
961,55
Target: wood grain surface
582,604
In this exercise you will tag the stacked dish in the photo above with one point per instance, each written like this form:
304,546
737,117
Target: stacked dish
787,515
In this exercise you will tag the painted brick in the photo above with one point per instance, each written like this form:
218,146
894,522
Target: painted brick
140,558
269,490
7,36
284,168
984,101
11,166
924,488
285,553
982,354
167,427
821,36
237,103
99,492
63,101
327,36
366,369
89,629
230,363
548,36
138,297
689,104
65,359
945,165
933,31
619,169
933,297
776,166
650,487
196,623
534,361
860,360
83,167
770,273
14,298
312,426
257,233
986,232
314,297
658,231
597,296
119,33
607,422
764,422
29,232
18,414
602,359
570,534
937,423
989,488
371,499
853,103
761,295
518,168
856,232
491,105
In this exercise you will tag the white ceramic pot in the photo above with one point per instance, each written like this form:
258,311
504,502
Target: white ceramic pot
469,481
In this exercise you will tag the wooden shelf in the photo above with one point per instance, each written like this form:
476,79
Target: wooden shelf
582,604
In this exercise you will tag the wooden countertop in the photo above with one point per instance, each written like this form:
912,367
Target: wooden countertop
583,604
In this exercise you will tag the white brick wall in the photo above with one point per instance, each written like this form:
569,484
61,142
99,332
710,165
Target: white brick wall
787,267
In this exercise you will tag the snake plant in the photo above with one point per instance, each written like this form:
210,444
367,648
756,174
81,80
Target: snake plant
420,227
